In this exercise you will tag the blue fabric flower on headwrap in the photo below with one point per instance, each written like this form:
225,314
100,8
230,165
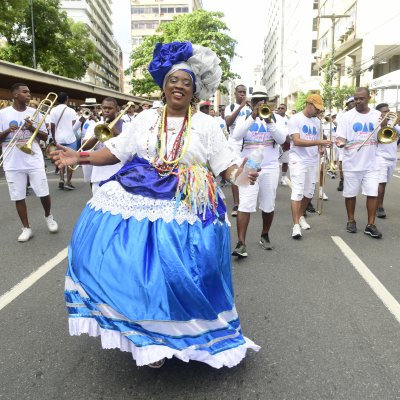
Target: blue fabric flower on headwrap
167,55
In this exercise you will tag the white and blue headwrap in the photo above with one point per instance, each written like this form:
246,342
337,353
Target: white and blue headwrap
200,62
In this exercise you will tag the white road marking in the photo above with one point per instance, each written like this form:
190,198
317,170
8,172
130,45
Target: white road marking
383,294
396,176
27,282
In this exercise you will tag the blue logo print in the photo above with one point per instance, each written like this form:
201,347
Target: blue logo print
358,127
309,130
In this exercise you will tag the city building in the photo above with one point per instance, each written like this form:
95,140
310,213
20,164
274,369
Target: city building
365,46
96,14
147,15
288,66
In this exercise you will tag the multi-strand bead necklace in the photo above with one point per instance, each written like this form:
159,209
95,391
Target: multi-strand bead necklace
163,161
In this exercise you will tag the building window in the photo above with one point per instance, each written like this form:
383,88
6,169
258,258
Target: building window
314,46
315,5
314,24
144,24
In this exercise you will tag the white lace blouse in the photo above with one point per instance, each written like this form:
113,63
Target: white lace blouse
207,146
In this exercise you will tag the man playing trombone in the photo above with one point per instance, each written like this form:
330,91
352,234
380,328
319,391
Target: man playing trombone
15,130
357,134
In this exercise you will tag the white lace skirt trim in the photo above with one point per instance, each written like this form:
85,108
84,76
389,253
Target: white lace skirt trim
150,354
112,197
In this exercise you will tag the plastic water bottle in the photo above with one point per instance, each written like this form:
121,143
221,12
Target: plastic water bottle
253,163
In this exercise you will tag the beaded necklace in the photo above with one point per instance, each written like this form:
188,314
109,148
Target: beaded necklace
163,162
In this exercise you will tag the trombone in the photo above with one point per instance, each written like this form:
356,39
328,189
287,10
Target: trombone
103,132
386,134
42,110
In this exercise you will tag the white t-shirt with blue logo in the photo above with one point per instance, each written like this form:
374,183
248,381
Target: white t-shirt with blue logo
355,128
309,129
244,112
257,133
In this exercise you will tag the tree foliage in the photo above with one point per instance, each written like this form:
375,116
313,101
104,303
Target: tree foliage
199,27
62,45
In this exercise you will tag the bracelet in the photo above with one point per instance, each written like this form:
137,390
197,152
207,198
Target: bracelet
84,154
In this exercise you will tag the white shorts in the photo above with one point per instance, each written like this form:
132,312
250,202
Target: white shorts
367,181
386,169
235,145
87,172
284,158
338,153
17,181
303,178
264,190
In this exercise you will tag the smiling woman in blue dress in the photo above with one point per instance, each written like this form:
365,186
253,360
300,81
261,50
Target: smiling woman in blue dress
149,260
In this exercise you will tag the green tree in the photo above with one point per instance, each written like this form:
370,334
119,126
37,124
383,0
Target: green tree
199,27
62,46
300,102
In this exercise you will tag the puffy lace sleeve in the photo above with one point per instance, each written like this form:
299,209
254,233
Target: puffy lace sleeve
220,155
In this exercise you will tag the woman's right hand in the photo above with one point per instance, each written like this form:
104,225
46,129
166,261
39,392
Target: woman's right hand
64,156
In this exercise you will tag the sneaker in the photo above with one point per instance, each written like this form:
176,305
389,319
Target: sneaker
310,208
234,211
296,232
380,212
69,186
322,195
303,223
340,187
25,235
240,250
351,227
283,182
51,224
372,231
61,185
265,243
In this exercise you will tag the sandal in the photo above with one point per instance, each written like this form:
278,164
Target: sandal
157,364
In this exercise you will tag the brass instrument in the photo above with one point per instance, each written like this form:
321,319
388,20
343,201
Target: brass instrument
42,110
103,132
386,134
86,113
264,111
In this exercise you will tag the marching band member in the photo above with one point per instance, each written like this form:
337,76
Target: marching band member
109,108
63,120
304,129
232,112
282,121
256,132
387,159
360,168
19,166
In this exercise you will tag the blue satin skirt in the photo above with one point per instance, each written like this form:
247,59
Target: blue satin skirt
156,289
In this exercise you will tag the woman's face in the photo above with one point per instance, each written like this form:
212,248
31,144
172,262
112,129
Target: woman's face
179,90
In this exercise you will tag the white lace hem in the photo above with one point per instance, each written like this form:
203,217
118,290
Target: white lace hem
112,197
150,354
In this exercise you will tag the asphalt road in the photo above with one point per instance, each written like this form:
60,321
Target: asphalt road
325,332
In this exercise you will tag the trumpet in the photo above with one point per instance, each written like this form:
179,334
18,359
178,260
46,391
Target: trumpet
264,111
103,132
86,113
40,113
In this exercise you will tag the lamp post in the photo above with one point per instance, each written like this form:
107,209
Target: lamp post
33,35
